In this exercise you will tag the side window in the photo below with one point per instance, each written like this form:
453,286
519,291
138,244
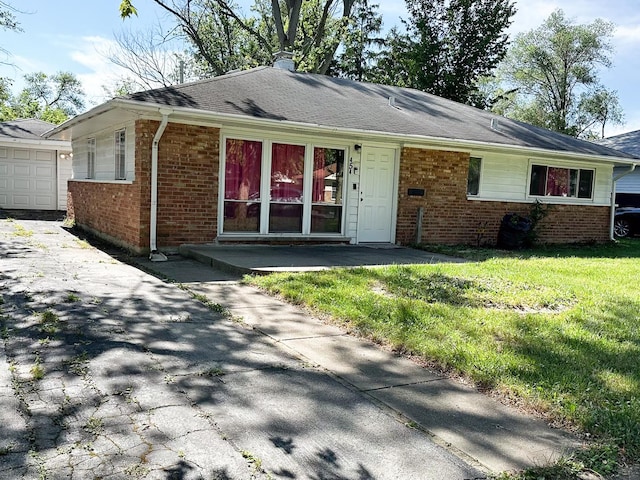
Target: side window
91,158
120,148
473,180
561,182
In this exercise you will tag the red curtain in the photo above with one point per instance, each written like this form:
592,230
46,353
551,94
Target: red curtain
287,171
558,182
242,169
319,174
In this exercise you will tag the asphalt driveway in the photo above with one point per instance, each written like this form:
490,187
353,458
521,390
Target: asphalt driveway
109,372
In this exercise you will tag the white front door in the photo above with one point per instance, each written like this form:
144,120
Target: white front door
375,214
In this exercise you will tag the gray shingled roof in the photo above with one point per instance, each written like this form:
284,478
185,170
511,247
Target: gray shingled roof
277,94
27,129
626,142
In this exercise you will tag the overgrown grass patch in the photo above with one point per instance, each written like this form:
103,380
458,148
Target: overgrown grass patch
558,329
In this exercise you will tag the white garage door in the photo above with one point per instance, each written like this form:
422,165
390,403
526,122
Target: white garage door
27,179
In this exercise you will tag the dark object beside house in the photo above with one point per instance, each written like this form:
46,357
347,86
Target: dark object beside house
514,232
627,222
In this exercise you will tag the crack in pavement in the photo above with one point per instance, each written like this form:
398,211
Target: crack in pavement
140,380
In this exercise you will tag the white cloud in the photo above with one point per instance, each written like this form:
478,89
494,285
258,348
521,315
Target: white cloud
627,34
100,71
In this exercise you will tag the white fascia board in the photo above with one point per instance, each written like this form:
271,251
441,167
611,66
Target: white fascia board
100,109
418,141
43,144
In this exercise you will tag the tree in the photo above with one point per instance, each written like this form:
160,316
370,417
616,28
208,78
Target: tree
597,108
358,57
153,58
554,69
8,22
51,98
120,88
447,46
303,28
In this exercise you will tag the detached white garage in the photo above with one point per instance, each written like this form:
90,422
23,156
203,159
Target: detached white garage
33,170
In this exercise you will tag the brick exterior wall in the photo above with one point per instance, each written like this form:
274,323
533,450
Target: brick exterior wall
110,210
188,160
188,166
449,218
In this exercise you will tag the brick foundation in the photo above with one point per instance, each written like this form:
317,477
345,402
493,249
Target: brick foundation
449,218
109,210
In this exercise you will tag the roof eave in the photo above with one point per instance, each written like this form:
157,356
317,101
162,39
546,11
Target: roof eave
94,112
221,118
35,142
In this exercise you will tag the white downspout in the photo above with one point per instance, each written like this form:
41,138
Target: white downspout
613,200
155,255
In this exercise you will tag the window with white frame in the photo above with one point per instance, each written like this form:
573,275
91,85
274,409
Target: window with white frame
302,194
120,148
565,182
91,158
242,177
327,190
473,178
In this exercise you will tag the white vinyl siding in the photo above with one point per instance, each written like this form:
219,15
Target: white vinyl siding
64,174
352,195
104,164
629,183
506,178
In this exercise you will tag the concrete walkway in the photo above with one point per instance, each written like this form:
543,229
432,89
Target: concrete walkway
264,259
109,372
476,428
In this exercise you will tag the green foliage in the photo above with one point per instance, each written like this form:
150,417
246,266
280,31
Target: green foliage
222,38
37,371
537,213
127,9
52,98
357,60
448,46
554,327
554,70
8,19
600,458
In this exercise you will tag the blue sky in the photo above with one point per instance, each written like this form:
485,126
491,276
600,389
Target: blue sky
72,35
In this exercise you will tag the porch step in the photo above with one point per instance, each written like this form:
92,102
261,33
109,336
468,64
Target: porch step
281,240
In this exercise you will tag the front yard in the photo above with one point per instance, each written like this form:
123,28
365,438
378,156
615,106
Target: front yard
555,331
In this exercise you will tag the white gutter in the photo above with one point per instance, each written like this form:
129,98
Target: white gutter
155,255
44,144
408,139
613,200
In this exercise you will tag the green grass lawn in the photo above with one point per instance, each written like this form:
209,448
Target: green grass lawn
555,329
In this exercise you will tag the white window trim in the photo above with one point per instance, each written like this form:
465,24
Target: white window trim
480,174
559,199
265,185
311,203
120,164
91,158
